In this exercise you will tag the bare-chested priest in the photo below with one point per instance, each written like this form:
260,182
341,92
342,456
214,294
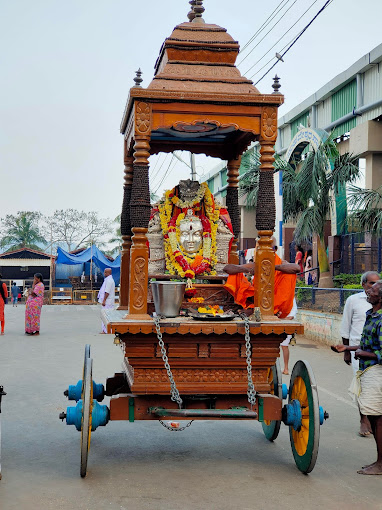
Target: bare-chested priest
243,291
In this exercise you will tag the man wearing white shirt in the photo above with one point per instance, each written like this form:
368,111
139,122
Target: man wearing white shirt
106,295
353,321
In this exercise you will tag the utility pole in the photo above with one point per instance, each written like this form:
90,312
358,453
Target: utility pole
193,170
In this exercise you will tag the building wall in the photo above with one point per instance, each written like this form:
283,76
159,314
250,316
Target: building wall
321,327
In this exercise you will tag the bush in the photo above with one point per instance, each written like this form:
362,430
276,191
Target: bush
353,286
344,279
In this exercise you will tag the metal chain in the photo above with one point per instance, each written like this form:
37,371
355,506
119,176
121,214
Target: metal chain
251,389
180,429
175,397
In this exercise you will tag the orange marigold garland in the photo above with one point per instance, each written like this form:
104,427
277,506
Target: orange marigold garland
171,211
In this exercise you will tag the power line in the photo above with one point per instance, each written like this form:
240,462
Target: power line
152,170
153,177
165,174
297,38
282,37
270,30
259,30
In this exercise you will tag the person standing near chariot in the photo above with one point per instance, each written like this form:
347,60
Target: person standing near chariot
15,293
353,321
33,306
367,384
3,299
106,294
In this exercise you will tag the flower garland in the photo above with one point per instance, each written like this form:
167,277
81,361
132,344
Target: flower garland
177,262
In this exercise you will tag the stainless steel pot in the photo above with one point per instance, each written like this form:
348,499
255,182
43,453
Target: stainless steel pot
168,297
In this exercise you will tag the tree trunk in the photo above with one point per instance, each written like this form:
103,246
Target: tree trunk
326,280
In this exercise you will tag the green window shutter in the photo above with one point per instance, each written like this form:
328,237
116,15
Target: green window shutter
343,102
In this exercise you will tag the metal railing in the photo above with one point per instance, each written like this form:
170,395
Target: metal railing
60,296
323,300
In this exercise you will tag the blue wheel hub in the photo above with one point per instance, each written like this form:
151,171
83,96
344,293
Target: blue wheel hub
291,414
100,415
74,391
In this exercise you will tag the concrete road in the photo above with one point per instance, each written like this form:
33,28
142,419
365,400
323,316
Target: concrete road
212,465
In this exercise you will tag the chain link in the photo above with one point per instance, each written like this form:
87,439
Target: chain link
172,429
251,389
175,397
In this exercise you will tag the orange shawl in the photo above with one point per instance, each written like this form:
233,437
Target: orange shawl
243,291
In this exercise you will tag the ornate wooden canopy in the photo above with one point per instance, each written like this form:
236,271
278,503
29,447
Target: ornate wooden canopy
197,101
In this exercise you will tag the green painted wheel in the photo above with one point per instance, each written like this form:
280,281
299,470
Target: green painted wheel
271,428
86,419
305,441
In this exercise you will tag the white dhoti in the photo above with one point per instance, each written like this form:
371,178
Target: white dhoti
367,388
286,342
108,307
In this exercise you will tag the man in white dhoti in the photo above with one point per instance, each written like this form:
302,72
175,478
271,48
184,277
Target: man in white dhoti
106,294
353,321
369,376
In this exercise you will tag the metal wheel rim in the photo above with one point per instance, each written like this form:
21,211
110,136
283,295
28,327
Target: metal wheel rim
86,356
86,420
306,461
271,428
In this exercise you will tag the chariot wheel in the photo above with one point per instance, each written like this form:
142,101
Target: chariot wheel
87,352
271,428
86,417
305,439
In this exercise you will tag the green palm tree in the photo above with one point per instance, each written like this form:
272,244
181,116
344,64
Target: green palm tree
116,240
22,231
308,193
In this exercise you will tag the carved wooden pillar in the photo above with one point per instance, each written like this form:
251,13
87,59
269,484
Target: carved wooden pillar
126,233
266,215
232,201
140,212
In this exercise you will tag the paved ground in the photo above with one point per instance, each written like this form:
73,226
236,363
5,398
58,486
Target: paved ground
212,465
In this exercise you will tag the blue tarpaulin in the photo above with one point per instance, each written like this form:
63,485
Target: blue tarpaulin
94,254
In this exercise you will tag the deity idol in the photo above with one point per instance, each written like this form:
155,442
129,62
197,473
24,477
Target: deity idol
189,233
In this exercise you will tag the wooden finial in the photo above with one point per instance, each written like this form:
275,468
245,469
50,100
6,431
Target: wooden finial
276,85
138,80
191,14
198,10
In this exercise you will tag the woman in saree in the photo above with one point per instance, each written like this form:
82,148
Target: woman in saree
34,305
3,299
299,260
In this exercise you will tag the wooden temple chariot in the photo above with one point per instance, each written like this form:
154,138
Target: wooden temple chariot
198,101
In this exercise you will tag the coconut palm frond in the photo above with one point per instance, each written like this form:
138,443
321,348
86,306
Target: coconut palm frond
309,222
249,183
309,178
249,161
329,147
367,220
360,198
345,169
293,205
